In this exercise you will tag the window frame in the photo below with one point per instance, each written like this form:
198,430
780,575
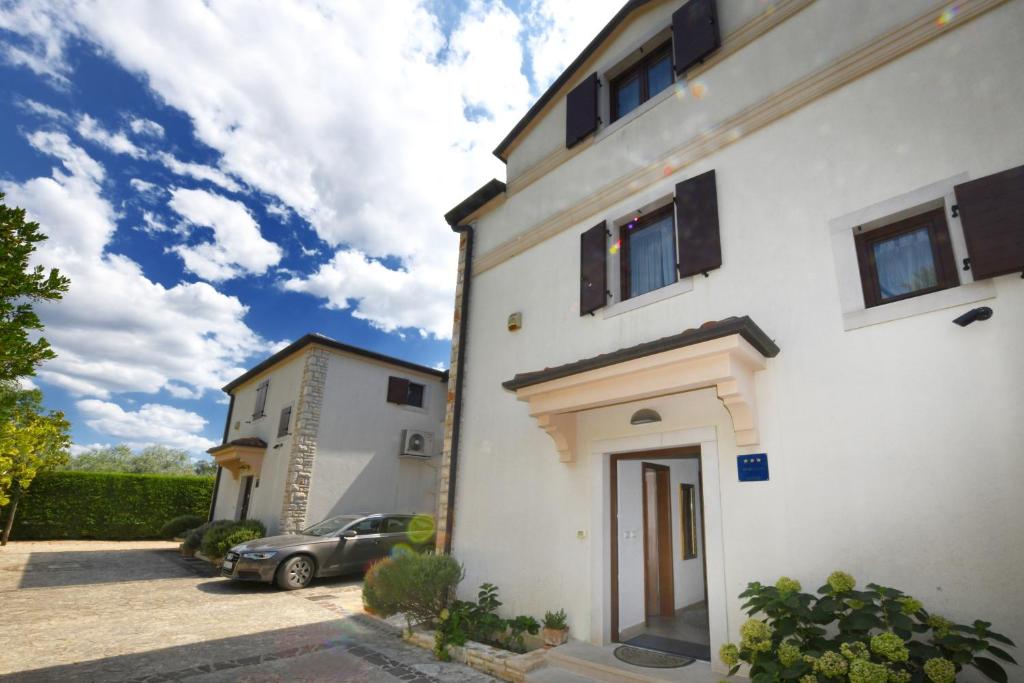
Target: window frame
423,394
942,255
640,69
625,233
286,424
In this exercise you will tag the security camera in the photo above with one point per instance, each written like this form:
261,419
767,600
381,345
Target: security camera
980,313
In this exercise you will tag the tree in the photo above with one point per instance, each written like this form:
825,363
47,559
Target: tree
20,287
31,441
120,458
205,468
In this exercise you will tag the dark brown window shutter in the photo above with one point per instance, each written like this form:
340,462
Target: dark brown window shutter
593,270
581,111
700,248
261,399
398,390
992,212
694,33
286,418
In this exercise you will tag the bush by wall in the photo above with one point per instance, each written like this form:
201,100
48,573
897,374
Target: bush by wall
107,505
180,525
218,540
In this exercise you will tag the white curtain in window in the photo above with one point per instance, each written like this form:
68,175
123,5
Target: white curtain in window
905,263
652,259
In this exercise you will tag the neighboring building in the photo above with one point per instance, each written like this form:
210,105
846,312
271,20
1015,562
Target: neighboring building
733,229
322,428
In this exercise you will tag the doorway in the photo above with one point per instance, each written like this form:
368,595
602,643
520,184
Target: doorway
658,561
246,496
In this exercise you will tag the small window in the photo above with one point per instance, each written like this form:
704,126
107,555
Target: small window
415,396
648,253
261,399
286,418
688,506
642,81
906,259
396,525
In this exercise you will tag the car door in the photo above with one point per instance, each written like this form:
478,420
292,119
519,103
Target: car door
394,531
363,548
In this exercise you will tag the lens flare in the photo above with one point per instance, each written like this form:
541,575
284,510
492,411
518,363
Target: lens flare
421,529
698,90
402,550
948,15
615,248
680,89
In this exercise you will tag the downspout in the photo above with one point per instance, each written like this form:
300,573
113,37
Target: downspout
453,461
224,440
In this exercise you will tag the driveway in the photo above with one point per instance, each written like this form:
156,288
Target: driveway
111,611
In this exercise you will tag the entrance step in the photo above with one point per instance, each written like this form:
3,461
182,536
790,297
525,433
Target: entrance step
578,662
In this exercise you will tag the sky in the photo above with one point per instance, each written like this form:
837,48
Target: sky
220,177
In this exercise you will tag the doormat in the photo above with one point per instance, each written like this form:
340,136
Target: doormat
683,648
649,658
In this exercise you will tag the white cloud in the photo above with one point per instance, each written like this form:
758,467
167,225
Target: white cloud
198,171
364,132
237,247
118,143
141,126
560,30
78,449
44,110
116,330
152,224
152,423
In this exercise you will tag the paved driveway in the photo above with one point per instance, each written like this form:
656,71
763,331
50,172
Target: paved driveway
106,611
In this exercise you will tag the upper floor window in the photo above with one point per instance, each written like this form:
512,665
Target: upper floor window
405,393
648,253
642,81
284,422
259,410
906,259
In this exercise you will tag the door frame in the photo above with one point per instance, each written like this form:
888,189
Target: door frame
672,453
663,515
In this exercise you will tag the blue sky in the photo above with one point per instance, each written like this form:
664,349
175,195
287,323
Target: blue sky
221,178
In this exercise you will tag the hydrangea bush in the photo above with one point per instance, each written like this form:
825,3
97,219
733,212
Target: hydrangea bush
877,635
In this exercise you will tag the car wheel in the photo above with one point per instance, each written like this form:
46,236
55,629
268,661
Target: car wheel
295,573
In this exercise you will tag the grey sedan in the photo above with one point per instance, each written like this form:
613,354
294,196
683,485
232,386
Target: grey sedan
339,545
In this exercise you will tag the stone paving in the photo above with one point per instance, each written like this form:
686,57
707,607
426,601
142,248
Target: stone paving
108,611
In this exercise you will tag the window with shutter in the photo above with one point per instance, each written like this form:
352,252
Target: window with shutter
283,423
991,212
647,253
642,81
398,390
700,248
593,268
694,33
414,397
581,111
261,399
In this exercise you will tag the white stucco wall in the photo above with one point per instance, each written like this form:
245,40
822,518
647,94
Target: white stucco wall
357,468
894,449
267,497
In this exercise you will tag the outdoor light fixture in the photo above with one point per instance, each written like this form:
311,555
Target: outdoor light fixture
644,416
980,313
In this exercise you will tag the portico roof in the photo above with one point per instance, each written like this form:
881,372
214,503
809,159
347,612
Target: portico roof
241,455
723,354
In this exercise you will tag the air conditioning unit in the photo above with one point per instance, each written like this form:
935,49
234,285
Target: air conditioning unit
417,444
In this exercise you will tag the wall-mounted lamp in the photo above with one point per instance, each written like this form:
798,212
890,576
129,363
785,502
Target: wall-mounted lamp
644,416
980,313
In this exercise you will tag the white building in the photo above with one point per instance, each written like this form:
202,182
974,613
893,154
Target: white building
725,236
322,428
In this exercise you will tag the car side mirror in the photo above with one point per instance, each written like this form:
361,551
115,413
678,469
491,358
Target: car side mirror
351,533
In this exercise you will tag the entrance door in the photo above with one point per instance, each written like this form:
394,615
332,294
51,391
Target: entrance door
659,590
246,495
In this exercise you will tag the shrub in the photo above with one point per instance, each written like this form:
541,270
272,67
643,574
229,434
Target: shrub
416,585
179,525
194,540
878,634
373,600
479,621
107,505
214,542
555,620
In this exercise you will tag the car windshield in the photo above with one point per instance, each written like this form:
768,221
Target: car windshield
330,526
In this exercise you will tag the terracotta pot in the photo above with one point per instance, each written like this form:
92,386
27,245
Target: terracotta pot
554,637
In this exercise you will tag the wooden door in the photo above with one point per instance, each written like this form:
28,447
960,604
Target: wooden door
659,591
246,495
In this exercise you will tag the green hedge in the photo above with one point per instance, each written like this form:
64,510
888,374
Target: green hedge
107,505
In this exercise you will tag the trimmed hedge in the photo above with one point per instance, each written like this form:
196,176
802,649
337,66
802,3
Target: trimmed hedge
107,505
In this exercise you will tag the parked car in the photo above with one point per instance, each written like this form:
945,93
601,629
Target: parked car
338,545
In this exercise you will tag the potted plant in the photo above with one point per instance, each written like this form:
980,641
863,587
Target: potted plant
556,630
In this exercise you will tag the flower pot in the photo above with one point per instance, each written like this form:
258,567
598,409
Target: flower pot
554,637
